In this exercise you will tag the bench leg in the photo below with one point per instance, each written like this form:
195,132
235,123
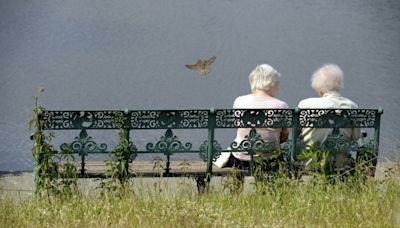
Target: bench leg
201,184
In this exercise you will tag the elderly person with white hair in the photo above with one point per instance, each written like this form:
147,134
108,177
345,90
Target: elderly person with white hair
264,83
327,81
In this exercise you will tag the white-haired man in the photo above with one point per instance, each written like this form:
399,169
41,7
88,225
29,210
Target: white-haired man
264,83
328,81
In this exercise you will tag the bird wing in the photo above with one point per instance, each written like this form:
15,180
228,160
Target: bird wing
211,60
191,66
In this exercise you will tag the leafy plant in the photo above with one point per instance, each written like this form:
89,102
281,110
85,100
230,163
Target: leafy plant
316,160
119,173
46,170
275,166
364,162
67,182
319,163
49,179
272,175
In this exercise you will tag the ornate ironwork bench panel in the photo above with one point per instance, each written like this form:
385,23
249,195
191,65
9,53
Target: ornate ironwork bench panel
342,118
212,119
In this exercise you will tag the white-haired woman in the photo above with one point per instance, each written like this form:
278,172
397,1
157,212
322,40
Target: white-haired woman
264,83
328,81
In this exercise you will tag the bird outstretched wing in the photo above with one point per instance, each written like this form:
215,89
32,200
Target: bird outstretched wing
211,60
203,66
191,66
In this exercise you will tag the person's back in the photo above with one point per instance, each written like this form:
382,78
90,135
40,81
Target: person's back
328,100
259,101
327,82
264,83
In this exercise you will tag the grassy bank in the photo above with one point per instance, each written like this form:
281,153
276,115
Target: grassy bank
282,203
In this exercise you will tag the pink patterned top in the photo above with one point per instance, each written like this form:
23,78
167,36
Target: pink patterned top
252,101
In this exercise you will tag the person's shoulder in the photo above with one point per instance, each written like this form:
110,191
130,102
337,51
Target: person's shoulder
280,104
240,100
309,102
351,103
246,96
344,102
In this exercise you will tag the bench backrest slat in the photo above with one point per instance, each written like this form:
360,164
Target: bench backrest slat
339,118
164,119
254,118
174,119
68,120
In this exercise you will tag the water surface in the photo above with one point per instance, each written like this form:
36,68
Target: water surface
131,54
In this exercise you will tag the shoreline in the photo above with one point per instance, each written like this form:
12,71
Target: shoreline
20,185
195,165
23,181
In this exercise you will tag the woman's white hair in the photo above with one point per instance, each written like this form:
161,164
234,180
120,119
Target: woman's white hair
328,78
264,77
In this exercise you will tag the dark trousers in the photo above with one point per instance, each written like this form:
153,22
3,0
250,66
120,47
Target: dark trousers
234,162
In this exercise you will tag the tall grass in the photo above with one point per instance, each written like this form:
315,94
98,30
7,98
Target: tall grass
280,203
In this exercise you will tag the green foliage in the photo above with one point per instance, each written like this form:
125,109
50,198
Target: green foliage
316,162
118,174
365,166
49,178
319,163
272,175
67,179
271,168
374,204
233,182
318,159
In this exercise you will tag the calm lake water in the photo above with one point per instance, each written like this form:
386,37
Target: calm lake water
131,54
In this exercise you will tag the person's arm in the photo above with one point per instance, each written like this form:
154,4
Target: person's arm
355,133
284,135
285,131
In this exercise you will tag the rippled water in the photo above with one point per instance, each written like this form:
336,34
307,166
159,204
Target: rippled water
131,54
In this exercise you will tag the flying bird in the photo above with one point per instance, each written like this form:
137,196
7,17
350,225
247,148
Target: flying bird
203,66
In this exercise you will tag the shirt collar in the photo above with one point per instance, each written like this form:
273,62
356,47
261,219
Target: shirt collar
331,94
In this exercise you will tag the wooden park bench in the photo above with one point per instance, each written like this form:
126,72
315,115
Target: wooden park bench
169,121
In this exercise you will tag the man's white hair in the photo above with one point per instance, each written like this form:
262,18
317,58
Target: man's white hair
264,77
328,78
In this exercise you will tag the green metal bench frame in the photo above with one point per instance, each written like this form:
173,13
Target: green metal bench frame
212,119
